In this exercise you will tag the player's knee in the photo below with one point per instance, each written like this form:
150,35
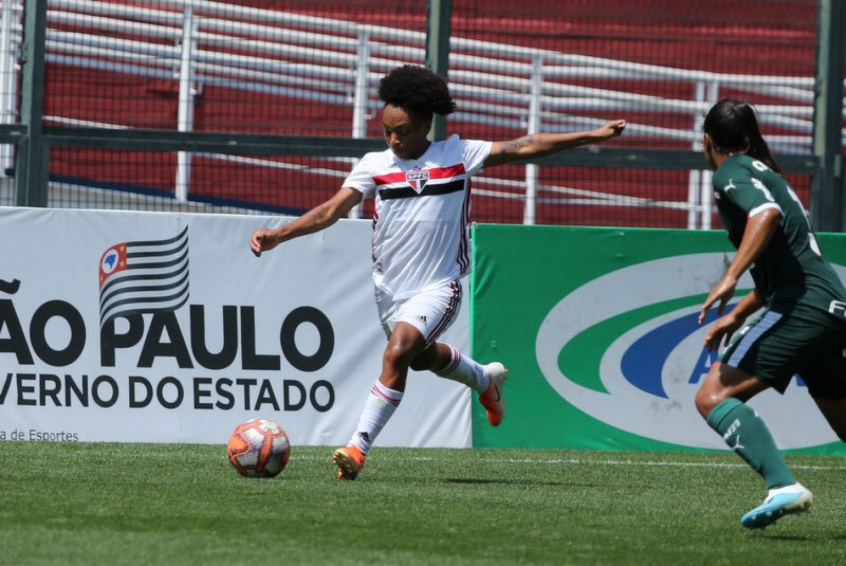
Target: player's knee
398,355
706,400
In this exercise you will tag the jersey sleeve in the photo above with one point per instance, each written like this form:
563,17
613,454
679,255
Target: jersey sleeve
361,177
739,186
475,153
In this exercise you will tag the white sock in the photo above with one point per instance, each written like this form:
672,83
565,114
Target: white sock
379,408
466,370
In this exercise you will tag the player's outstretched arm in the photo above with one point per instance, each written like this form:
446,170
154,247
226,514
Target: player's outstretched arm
540,145
318,218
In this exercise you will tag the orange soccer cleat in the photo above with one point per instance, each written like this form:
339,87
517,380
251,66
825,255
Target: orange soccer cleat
492,399
350,461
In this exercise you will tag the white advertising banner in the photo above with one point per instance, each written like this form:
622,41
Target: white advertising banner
155,327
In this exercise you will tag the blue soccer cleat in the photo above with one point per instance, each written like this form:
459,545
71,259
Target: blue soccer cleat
780,502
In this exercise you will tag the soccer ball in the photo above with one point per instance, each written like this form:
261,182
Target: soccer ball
259,448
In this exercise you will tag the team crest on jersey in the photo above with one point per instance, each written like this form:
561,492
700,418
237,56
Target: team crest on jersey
417,179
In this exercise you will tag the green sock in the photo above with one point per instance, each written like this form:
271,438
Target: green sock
745,433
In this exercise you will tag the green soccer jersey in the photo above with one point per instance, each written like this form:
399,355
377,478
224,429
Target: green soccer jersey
791,268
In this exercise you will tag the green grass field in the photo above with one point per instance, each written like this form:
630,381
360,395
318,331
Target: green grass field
184,504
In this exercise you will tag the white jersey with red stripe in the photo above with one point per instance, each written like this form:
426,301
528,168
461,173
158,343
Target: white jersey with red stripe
420,223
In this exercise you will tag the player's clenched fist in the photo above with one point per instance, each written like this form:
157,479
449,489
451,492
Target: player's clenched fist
263,240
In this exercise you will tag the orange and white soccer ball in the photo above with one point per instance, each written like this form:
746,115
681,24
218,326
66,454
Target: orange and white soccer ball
259,448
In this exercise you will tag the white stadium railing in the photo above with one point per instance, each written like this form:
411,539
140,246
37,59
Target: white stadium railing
498,85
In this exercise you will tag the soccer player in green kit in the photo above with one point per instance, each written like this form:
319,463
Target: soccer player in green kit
801,329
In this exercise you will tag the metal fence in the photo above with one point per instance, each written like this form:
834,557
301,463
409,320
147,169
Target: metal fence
262,106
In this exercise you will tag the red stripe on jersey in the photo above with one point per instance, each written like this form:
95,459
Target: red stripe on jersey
434,173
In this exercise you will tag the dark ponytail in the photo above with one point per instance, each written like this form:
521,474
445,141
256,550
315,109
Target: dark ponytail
733,129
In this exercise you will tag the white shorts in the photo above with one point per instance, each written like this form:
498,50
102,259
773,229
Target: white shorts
431,312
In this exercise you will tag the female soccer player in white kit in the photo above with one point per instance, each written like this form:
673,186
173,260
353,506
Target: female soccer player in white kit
420,241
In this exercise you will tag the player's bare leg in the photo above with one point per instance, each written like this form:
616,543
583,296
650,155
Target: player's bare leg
384,398
834,412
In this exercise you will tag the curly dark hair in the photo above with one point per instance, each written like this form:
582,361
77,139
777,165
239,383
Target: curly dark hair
416,90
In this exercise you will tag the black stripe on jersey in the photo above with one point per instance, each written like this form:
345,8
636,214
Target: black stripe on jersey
428,191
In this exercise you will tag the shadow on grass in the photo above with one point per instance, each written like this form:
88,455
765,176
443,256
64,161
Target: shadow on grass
815,538
477,481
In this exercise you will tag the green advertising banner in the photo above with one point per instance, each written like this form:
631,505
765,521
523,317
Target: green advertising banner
598,328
